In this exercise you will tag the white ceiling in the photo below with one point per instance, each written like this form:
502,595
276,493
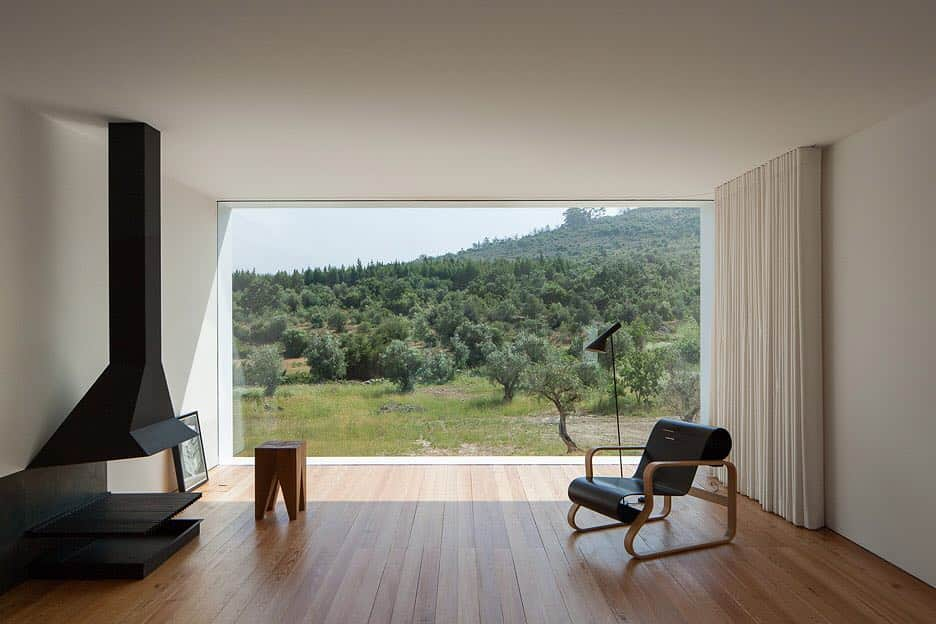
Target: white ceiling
508,99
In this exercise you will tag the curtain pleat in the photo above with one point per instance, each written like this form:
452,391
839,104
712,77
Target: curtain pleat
767,347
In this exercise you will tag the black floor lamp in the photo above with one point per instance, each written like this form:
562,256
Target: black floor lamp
600,345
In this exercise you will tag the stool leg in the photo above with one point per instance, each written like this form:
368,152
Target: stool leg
302,484
264,484
288,474
271,497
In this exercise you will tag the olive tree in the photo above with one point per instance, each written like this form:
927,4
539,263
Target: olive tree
400,363
437,368
505,366
326,358
263,367
557,378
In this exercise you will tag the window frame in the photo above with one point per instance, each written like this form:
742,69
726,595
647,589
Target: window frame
225,309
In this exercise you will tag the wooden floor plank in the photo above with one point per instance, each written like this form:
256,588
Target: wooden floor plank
397,543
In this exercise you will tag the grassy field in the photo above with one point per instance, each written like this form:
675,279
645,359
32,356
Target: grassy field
464,417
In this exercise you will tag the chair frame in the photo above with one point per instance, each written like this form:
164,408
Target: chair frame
730,501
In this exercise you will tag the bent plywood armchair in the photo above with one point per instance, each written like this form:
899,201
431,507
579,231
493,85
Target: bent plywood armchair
673,453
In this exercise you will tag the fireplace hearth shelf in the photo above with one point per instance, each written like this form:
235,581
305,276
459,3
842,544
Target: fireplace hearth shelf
117,514
115,536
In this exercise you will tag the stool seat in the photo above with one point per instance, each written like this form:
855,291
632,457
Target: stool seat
280,464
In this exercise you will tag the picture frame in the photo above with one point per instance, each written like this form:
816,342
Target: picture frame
191,467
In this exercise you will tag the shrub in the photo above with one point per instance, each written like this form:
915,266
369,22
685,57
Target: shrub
392,328
400,363
479,338
438,368
641,373
336,319
296,377
681,394
295,342
362,355
263,368
688,345
326,358
261,294
268,330
460,353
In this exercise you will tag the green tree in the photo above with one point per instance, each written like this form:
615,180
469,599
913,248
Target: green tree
437,368
336,319
362,355
268,329
688,344
263,367
261,294
641,371
505,366
681,393
479,338
556,379
638,333
576,217
422,329
295,342
534,347
326,358
460,352
393,327
400,363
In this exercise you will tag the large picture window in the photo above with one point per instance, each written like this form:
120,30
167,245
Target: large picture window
435,330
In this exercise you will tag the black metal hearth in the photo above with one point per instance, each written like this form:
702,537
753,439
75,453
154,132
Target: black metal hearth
60,521
114,536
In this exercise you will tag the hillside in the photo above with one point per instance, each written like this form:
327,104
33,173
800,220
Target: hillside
657,230
640,267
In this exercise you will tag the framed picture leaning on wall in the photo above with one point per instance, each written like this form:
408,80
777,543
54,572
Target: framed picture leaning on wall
190,465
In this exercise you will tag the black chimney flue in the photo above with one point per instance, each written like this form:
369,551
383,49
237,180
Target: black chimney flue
127,412
134,244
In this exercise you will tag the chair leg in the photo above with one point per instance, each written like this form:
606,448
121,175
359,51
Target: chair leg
730,501
570,517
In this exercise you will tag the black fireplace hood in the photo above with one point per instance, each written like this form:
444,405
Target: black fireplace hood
127,412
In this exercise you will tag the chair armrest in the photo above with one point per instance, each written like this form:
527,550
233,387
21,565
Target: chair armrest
652,467
591,453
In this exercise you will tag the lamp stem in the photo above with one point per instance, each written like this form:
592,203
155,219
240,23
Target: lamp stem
617,414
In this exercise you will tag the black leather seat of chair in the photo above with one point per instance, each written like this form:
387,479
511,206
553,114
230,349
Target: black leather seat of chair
667,468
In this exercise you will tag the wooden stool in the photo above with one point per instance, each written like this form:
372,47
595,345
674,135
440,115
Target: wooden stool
280,464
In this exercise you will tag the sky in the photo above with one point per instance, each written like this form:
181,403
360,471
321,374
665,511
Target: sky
269,240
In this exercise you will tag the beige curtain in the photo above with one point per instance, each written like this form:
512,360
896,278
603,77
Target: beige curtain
767,345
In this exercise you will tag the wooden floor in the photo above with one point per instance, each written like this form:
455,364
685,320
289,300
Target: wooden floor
477,543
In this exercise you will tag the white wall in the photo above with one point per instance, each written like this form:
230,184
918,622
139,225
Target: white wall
879,240
53,307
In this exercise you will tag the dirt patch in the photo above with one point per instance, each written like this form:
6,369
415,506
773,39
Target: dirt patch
594,429
445,392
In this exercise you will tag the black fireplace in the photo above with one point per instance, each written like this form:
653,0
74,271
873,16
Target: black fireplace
127,412
60,521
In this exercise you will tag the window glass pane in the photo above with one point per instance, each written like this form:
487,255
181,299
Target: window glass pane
461,330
